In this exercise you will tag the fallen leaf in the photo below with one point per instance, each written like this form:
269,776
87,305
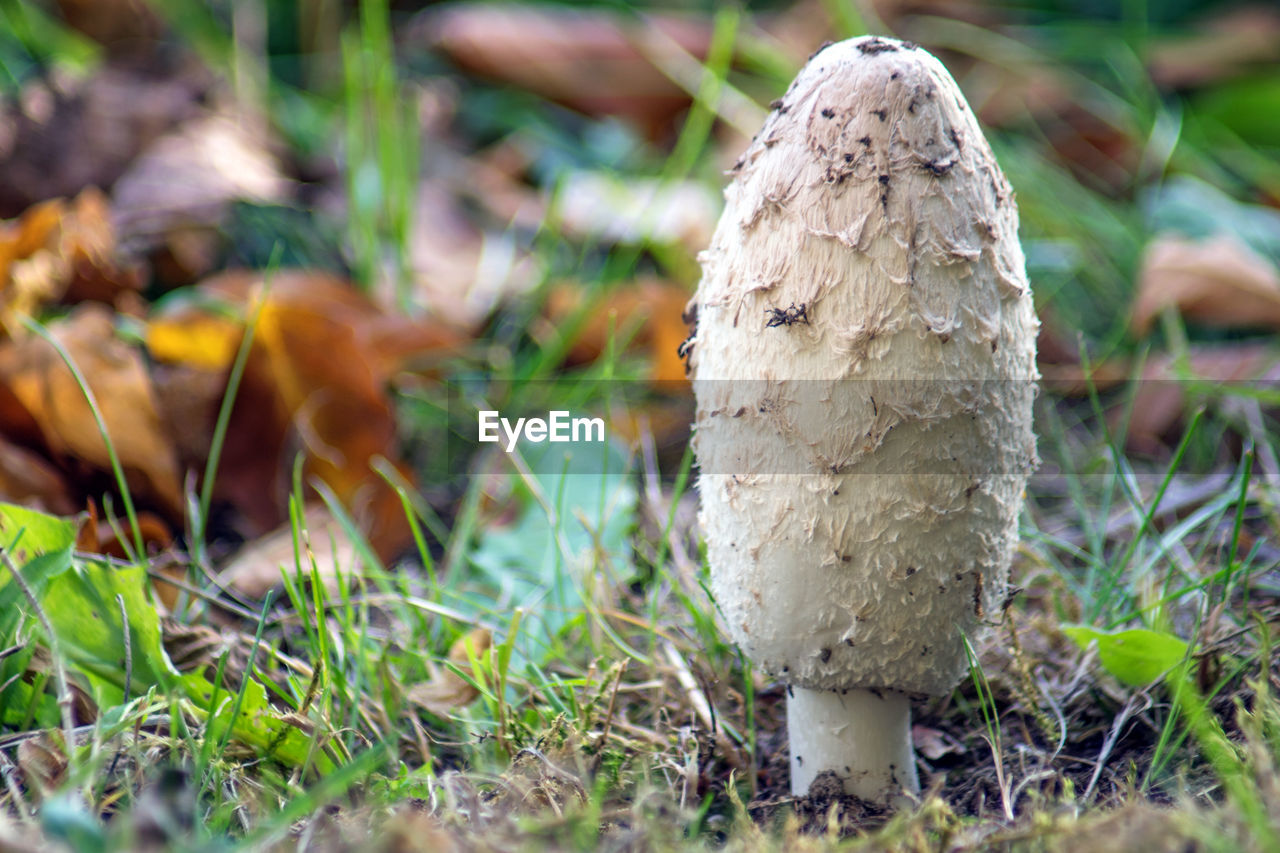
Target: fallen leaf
316,381
38,378
1215,282
121,25
1162,398
327,549
1224,45
192,348
178,192
1136,656
603,207
460,271
655,306
28,478
43,763
445,690
61,251
97,538
63,133
933,744
585,59
199,648
40,670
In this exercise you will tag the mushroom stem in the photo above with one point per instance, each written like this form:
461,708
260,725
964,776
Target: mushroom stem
863,736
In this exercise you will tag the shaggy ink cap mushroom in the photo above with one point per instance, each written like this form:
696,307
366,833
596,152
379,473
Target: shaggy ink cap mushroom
864,366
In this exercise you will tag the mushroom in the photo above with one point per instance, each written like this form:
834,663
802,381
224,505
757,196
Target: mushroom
864,366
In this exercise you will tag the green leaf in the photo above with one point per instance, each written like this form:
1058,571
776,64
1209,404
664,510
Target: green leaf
1136,656
82,598
257,724
1248,106
25,533
40,547
82,605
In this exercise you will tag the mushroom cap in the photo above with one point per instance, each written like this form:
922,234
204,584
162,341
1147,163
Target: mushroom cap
864,365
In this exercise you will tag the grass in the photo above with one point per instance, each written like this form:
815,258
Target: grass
597,703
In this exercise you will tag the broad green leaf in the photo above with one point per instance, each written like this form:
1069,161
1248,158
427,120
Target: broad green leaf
257,724
1136,656
26,533
40,547
83,607
1248,106
82,600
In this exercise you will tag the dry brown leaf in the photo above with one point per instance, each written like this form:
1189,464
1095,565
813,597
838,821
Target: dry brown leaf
179,190
1160,404
28,478
1224,45
461,272
328,550
933,744
63,134
315,381
191,350
445,690
658,306
37,377
61,251
585,59
99,538
43,763
1217,282
200,648
40,669
122,25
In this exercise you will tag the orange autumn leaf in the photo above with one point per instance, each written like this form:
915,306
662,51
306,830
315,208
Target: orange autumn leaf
193,336
99,537
60,251
315,381
656,306
39,380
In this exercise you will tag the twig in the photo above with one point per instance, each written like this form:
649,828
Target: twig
59,671
1109,744
608,720
230,607
128,669
15,793
698,699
